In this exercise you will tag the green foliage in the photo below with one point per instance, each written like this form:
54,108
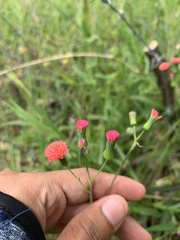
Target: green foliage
42,102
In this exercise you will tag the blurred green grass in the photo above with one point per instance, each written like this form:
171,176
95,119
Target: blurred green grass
42,102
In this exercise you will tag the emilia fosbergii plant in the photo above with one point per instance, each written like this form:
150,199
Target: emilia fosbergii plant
58,150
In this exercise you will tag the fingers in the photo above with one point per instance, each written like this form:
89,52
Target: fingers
126,187
132,230
99,221
52,191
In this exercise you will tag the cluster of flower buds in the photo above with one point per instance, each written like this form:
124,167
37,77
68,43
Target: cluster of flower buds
82,143
57,150
108,153
152,119
154,116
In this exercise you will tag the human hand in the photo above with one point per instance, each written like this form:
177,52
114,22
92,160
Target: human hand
61,205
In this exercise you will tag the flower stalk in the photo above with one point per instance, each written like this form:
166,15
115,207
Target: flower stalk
134,144
79,180
90,186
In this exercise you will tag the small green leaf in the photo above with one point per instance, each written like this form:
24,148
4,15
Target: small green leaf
163,227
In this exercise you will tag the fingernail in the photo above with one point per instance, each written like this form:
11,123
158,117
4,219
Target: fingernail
115,210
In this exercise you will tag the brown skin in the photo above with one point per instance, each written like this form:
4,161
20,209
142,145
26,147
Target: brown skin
61,205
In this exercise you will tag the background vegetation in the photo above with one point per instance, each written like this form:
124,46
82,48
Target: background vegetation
42,102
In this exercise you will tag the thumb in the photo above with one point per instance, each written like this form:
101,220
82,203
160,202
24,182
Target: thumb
99,221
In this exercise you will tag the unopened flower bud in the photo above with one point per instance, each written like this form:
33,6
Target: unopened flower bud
111,137
132,117
164,66
109,151
82,126
130,131
108,155
81,143
175,60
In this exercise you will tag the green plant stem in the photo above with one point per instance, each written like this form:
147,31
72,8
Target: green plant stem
124,160
140,135
90,186
100,170
79,180
92,179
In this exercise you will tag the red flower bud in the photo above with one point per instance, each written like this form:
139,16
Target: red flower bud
175,60
164,66
81,125
112,135
81,143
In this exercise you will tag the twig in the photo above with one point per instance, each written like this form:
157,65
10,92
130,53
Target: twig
156,58
62,56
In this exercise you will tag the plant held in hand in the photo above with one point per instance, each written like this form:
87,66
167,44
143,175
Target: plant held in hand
58,150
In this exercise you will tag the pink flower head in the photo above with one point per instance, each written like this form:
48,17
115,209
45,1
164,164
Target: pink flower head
175,60
164,66
155,114
56,151
81,143
81,125
112,135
